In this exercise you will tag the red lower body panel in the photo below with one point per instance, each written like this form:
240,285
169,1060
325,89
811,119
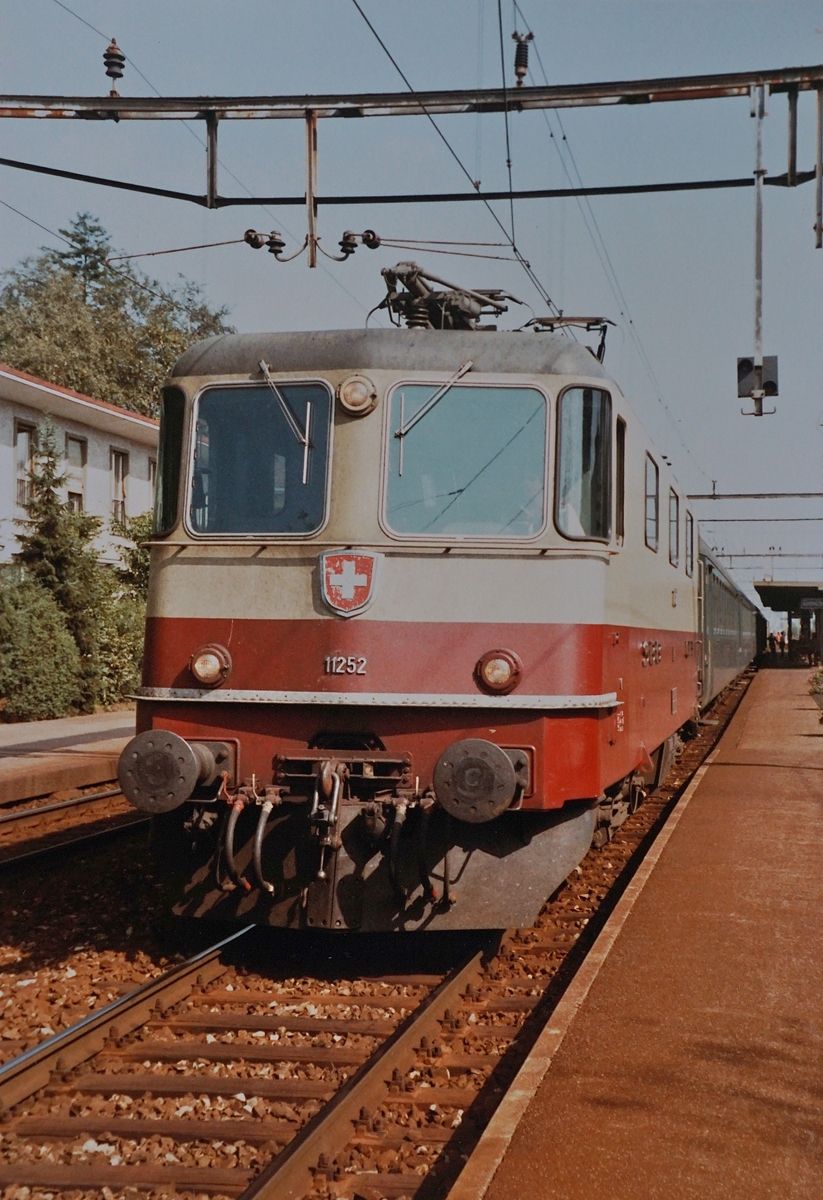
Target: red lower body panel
574,754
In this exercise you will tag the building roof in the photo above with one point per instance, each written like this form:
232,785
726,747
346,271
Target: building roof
788,597
390,349
62,402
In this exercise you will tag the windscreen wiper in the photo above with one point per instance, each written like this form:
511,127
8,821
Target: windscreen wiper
407,426
302,437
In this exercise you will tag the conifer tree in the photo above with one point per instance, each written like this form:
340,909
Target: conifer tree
56,549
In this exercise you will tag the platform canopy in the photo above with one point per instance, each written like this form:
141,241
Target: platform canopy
788,597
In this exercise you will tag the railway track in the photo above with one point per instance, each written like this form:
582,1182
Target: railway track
33,831
227,1078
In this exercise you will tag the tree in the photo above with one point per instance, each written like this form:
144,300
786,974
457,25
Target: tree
109,331
56,549
134,553
35,685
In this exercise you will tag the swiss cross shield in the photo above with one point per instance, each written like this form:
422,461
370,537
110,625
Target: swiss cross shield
348,580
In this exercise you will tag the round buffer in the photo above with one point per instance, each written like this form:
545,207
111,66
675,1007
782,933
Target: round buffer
474,780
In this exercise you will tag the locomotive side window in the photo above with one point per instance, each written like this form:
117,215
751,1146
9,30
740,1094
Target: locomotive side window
689,544
166,496
652,503
261,459
620,487
674,527
473,464
583,489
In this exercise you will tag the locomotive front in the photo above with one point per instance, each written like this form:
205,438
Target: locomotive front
373,692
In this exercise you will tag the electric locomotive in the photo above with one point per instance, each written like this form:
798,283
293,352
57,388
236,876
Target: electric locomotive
425,618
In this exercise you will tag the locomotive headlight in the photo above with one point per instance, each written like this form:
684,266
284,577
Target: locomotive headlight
210,665
357,395
499,671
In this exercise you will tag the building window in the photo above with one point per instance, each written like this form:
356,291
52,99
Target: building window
652,503
152,474
119,475
620,488
76,456
24,440
674,527
689,544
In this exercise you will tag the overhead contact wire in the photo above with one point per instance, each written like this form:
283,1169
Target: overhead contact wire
200,142
602,252
544,295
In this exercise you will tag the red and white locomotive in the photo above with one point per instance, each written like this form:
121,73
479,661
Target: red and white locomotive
425,617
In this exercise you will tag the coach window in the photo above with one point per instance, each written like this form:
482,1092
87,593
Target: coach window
652,503
471,464
674,527
583,487
260,459
689,544
172,410
620,487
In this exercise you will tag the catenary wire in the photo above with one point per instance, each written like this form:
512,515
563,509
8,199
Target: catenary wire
541,290
506,114
200,142
174,250
164,296
602,251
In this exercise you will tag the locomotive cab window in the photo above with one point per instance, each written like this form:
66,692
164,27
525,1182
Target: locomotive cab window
674,527
583,487
261,459
471,464
172,411
652,503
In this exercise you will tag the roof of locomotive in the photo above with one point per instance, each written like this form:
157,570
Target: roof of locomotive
390,349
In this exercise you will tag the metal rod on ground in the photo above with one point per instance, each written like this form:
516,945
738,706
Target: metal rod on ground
38,809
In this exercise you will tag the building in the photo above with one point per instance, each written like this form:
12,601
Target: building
110,455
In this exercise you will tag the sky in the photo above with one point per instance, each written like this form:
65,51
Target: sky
674,272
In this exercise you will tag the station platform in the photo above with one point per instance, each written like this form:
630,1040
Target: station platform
694,1066
40,757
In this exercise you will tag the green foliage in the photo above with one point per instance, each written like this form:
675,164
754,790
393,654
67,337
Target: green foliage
56,547
120,630
134,574
103,610
108,331
39,662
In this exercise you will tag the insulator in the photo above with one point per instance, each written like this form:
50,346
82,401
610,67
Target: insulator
275,243
348,243
418,314
256,240
370,239
521,56
115,60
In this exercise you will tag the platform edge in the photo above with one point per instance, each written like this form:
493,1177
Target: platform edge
481,1167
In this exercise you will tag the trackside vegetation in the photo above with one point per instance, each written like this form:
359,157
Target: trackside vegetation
71,628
